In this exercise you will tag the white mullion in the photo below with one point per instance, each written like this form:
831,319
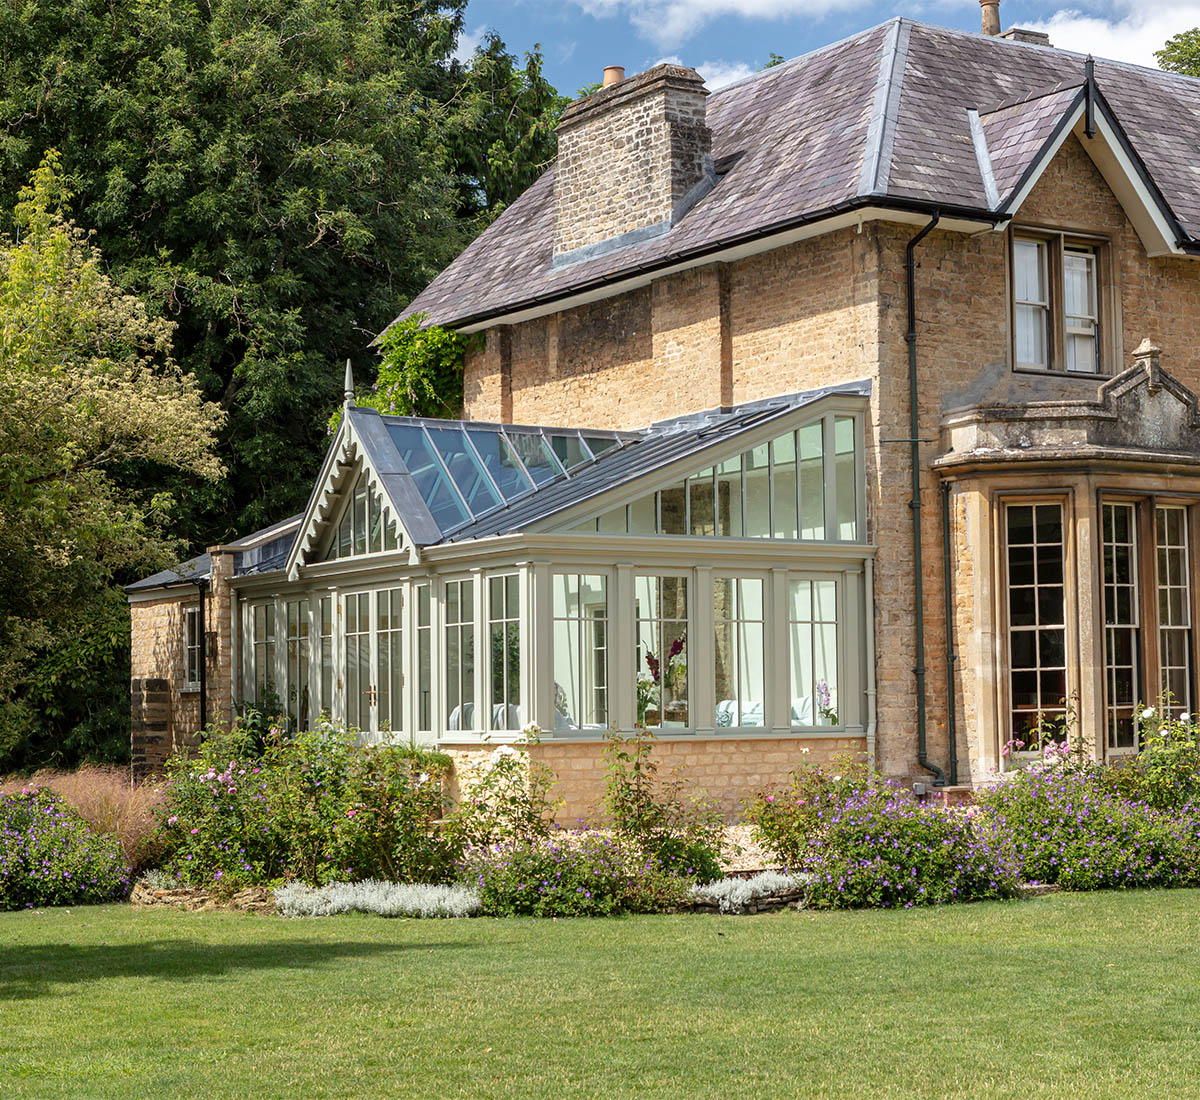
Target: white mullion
541,690
409,680
777,658
526,602
702,688
622,650
481,645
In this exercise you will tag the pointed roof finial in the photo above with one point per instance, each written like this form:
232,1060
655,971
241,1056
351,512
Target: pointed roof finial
348,393
1089,79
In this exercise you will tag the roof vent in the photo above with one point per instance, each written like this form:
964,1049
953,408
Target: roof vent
1032,38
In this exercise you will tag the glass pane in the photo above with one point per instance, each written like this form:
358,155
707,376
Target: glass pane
614,520
1029,271
643,516
501,462
700,503
1079,284
756,480
466,470
580,610
536,455
359,506
812,482
729,498
739,656
783,482
1032,324
569,449
672,510
847,478
813,638
661,624
598,444
1082,353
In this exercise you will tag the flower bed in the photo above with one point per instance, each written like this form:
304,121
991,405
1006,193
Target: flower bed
49,855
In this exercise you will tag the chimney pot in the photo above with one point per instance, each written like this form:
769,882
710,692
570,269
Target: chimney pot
990,16
613,74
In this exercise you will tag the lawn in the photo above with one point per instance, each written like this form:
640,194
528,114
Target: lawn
1066,996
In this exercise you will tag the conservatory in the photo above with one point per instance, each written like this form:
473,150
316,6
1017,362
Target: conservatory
452,583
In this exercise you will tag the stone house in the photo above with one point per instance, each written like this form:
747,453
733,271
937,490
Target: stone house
852,406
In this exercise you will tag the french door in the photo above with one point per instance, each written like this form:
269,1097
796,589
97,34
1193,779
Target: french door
372,657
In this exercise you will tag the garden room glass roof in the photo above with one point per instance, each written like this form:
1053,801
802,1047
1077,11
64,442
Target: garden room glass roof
464,470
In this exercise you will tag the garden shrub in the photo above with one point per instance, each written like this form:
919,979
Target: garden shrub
681,832
789,820
1070,828
317,807
50,856
504,797
1165,774
733,895
571,875
383,899
881,848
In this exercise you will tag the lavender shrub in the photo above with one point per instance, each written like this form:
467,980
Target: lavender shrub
49,855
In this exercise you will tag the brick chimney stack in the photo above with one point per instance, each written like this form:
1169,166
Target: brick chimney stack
990,14
630,160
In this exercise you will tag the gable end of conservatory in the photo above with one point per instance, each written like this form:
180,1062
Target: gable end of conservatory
354,448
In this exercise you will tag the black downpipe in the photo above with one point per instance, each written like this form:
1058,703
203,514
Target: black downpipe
910,337
952,718
202,629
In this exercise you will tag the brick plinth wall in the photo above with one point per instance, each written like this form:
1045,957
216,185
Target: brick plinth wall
150,712
729,771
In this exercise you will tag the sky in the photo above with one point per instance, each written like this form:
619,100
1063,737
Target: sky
728,39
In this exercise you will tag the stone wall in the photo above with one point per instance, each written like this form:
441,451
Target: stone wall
165,711
627,155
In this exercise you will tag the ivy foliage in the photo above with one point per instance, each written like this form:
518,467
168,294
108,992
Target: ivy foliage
420,372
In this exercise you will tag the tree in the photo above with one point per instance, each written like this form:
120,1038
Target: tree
88,388
503,137
278,177
1181,54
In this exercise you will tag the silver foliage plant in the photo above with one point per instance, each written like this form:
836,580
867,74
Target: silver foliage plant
383,899
732,895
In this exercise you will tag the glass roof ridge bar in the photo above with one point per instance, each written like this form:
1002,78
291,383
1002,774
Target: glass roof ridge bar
486,472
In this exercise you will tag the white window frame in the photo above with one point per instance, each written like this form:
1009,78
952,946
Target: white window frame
193,642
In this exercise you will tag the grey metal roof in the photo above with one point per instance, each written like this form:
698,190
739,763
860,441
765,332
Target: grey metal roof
879,118
261,554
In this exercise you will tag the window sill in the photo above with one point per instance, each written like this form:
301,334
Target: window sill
743,733
1050,372
190,689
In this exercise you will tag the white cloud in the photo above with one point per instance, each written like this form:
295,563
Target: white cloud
1132,32
672,22
464,50
716,73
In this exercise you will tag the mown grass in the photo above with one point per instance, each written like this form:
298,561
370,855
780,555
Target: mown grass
1066,996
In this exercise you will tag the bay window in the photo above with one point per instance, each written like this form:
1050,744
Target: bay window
1036,604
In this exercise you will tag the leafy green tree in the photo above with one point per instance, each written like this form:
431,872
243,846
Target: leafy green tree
503,138
275,176
1181,54
88,387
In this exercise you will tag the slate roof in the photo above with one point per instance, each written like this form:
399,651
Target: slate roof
261,554
881,118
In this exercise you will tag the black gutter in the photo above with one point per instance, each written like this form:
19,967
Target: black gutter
910,337
202,629
951,656
914,206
